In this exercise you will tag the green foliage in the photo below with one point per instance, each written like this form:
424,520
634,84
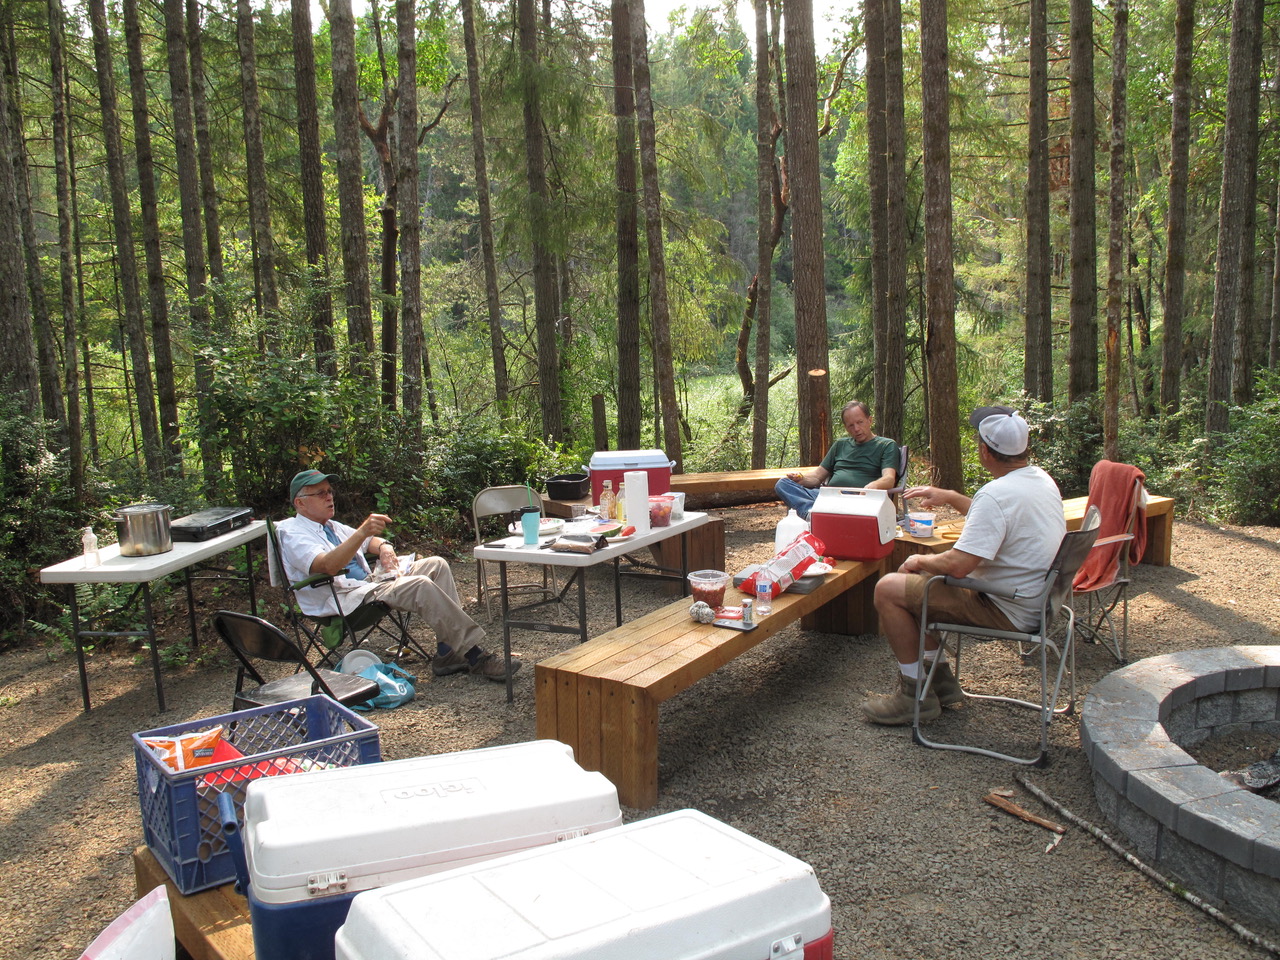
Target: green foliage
1246,464
1065,441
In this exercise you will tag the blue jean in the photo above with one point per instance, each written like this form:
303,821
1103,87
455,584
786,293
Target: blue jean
798,497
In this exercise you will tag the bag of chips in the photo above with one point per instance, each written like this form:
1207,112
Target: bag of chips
187,751
787,565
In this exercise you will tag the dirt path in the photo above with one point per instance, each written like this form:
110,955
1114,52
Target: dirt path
913,860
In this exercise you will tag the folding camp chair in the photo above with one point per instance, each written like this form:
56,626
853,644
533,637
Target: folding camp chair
254,639
326,635
1116,491
1054,600
500,502
900,483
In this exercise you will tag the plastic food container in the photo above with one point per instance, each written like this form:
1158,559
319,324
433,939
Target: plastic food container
920,525
660,509
708,586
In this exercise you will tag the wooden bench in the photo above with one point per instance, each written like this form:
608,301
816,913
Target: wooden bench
601,697
1159,551
731,486
210,925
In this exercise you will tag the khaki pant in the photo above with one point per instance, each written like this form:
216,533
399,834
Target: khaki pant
428,591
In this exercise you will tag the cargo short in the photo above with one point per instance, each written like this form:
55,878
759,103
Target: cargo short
956,604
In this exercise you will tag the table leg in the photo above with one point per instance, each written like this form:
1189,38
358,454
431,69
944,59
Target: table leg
191,610
248,562
75,633
506,627
617,590
582,604
151,641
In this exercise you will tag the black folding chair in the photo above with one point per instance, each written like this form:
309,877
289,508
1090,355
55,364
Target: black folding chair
254,639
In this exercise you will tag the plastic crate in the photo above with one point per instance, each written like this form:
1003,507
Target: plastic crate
180,810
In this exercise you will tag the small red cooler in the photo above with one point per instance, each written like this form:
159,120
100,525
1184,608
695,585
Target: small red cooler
854,523
312,841
675,887
612,464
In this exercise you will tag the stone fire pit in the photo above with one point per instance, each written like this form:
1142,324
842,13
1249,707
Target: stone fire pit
1221,840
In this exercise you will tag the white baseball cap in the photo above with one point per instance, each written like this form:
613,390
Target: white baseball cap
1001,429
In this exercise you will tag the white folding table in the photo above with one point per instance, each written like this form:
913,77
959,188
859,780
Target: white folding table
142,571
513,549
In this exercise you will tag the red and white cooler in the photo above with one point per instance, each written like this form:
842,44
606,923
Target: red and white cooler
855,523
314,840
674,887
612,464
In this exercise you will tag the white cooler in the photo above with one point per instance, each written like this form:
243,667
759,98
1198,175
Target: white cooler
612,464
854,523
314,840
675,887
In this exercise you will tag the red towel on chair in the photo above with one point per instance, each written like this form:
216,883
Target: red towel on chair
1111,491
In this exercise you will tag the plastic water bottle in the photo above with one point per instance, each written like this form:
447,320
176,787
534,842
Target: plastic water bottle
90,540
789,527
764,596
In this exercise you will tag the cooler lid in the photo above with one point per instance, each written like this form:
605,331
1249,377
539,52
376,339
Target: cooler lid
681,885
370,825
855,502
629,460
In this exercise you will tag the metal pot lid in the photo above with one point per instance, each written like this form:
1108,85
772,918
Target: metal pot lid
143,508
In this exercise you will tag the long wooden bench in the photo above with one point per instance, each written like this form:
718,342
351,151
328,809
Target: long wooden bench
601,697
210,925
1159,551
730,486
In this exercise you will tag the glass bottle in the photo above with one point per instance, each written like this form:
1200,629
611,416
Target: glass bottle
90,540
620,505
606,501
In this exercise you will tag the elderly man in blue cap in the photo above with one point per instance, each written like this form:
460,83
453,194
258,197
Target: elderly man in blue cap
1013,526
313,542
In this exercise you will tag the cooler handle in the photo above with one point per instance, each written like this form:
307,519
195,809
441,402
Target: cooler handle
235,842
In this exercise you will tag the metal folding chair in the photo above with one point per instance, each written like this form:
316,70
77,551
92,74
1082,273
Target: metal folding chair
501,502
327,635
254,639
1054,599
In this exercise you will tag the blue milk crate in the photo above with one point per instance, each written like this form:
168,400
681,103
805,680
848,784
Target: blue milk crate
180,809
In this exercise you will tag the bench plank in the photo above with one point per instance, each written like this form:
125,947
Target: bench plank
602,696
210,925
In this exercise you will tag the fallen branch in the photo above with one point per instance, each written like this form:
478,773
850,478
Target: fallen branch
997,800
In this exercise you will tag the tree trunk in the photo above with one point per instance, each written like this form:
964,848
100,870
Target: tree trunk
157,296
256,164
544,279
192,228
410,219
66,275
877,193
626,228
659,307
1116,260
19,374
1037,368
1176,223
315,228
814,386
1232,214
1246,330
355,244
940,341
488,258
204,160
894,361
769,211
123,224
1082,366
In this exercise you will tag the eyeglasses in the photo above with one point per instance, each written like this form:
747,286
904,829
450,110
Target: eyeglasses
327,494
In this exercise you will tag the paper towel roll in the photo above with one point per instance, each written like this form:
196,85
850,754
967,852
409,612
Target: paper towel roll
637,482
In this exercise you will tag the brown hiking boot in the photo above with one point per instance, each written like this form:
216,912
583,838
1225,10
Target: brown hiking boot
898,709
946,686
491,667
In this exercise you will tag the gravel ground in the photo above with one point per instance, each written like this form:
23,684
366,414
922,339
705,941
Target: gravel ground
915,863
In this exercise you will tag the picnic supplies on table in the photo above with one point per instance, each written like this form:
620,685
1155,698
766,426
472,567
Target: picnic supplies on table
313,842
786,567
855,523
672,887
179,810
579,543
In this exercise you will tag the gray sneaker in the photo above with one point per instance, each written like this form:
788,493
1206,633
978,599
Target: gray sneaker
451,662
491,667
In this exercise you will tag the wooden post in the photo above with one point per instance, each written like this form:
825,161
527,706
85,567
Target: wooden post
822,429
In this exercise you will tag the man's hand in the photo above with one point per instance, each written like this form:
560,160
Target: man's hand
795,476
373,525
930,497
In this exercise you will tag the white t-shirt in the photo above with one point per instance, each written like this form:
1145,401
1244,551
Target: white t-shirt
1015,524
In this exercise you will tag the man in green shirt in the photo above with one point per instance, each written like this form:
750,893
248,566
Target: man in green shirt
860,460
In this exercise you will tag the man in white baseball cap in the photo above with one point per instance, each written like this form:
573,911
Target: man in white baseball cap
1013,526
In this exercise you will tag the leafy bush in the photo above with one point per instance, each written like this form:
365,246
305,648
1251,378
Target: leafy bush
1065,442
1246,464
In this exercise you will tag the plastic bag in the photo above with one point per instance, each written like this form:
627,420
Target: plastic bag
189,750
143,932
579,543
787,566
395,684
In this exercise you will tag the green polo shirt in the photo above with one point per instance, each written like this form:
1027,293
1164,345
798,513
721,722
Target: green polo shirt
858,464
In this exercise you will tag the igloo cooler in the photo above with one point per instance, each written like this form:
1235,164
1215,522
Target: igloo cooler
612,464
674,887
312,843
855,523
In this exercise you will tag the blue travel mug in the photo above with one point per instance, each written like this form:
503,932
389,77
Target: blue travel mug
530,518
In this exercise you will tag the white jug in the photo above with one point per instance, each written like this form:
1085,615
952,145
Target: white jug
789,527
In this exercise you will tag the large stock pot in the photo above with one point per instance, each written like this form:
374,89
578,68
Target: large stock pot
143,529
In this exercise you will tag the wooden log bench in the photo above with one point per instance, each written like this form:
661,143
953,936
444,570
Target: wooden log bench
602,697
730,486
1159,551
210,925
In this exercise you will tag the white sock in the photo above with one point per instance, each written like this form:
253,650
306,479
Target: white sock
910,670
932,655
